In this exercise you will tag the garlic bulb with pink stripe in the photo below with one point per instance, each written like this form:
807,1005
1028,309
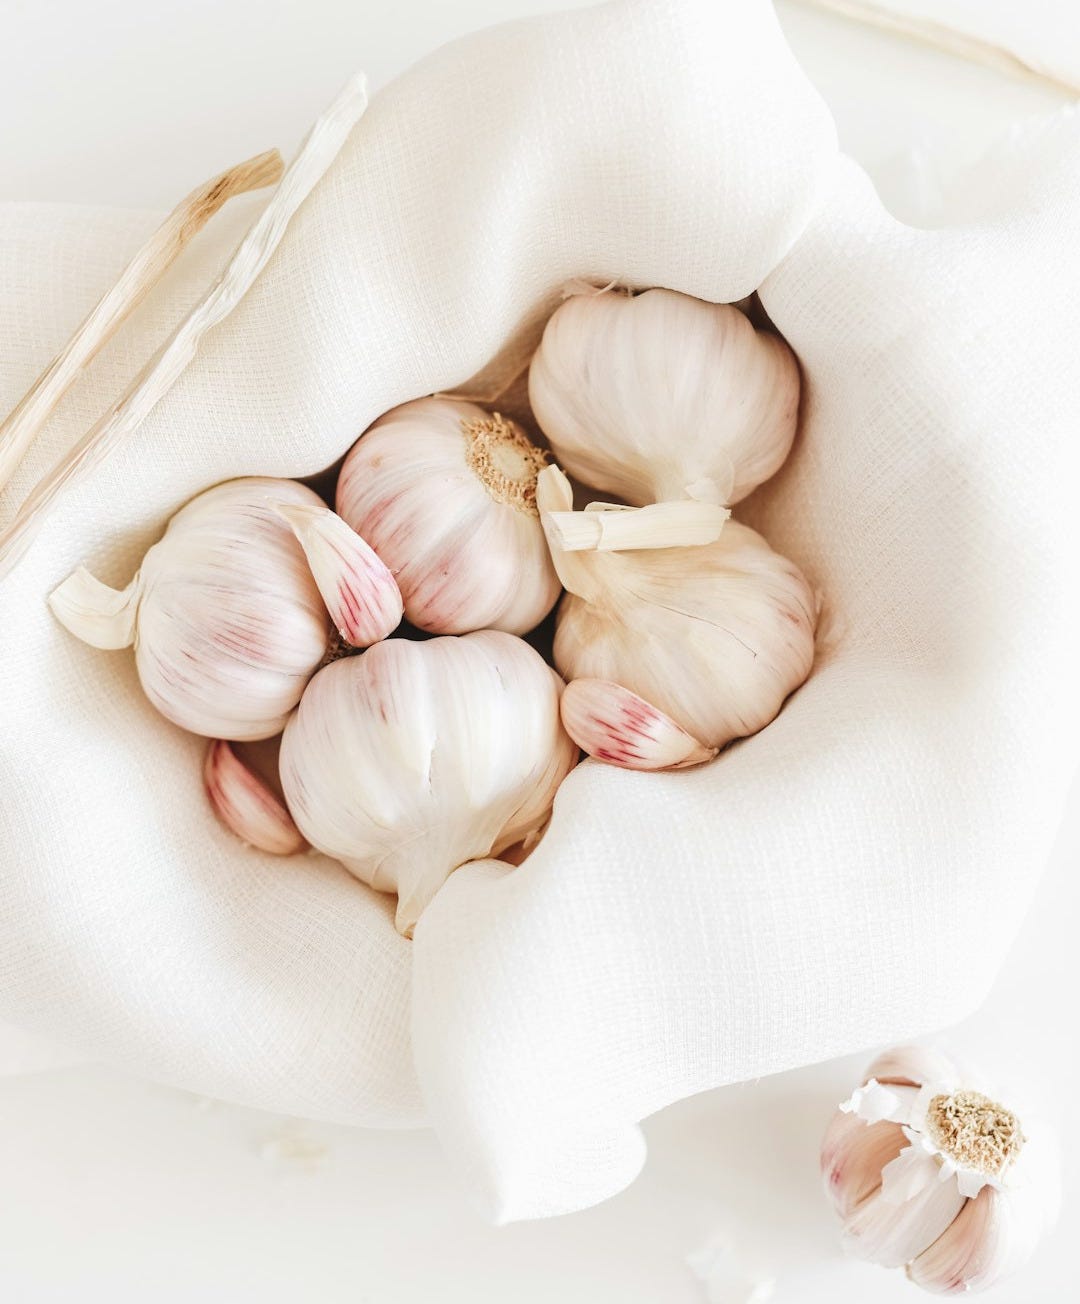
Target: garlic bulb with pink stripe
226,613
445,493
935,1176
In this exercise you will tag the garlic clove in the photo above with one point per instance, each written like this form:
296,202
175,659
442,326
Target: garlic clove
852,1157
911,1066
360,593
614,725
997,1231
245,805
912,1208
967,1252
611,527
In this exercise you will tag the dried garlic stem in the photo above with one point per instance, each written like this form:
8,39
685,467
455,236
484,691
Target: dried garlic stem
22,424
163,370
611,527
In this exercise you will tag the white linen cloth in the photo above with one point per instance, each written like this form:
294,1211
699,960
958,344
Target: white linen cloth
853,874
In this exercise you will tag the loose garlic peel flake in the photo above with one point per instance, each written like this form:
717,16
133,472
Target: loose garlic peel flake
936,1177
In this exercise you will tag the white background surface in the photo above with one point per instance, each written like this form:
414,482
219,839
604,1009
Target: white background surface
116,1191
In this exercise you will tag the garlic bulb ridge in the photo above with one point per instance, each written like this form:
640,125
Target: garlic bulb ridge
413,758
445,493
715,636
659,396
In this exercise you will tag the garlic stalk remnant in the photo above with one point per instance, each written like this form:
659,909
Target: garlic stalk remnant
446,495
245,805
224,614
410,760
614,725
660,396
936,1177
716,638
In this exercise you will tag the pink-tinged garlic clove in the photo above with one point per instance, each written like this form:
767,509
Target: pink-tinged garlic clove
359,590
893,1226
911,1066
966,1252
246,806
614,725
853,1153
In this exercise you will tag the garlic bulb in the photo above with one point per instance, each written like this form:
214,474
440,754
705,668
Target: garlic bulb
245,805
714,636
935,1177
446,495
413,758
660,396
224,613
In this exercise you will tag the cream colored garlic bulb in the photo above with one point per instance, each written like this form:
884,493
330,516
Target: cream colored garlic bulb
715,636
413,758
659,396
446,495
936,1177
225,612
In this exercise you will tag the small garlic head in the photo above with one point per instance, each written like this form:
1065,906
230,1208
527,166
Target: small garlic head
413,758
224,614
935,1177
446,495
661,396
715,636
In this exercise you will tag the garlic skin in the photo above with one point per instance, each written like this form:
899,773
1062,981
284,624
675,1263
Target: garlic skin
659,396
936,1178
611,724
245,805
413,758
224,614
715,637
445,493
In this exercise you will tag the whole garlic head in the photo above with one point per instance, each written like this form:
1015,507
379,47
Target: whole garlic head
413,758
715,636
225,613
937,1178
446,495
659,396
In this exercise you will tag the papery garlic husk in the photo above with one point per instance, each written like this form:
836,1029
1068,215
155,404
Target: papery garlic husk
715,637
937,1178
415,757
445,493
612,724
225,616
246,805
659,396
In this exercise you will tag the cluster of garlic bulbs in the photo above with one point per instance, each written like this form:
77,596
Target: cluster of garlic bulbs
262,613
681,630
938,1178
